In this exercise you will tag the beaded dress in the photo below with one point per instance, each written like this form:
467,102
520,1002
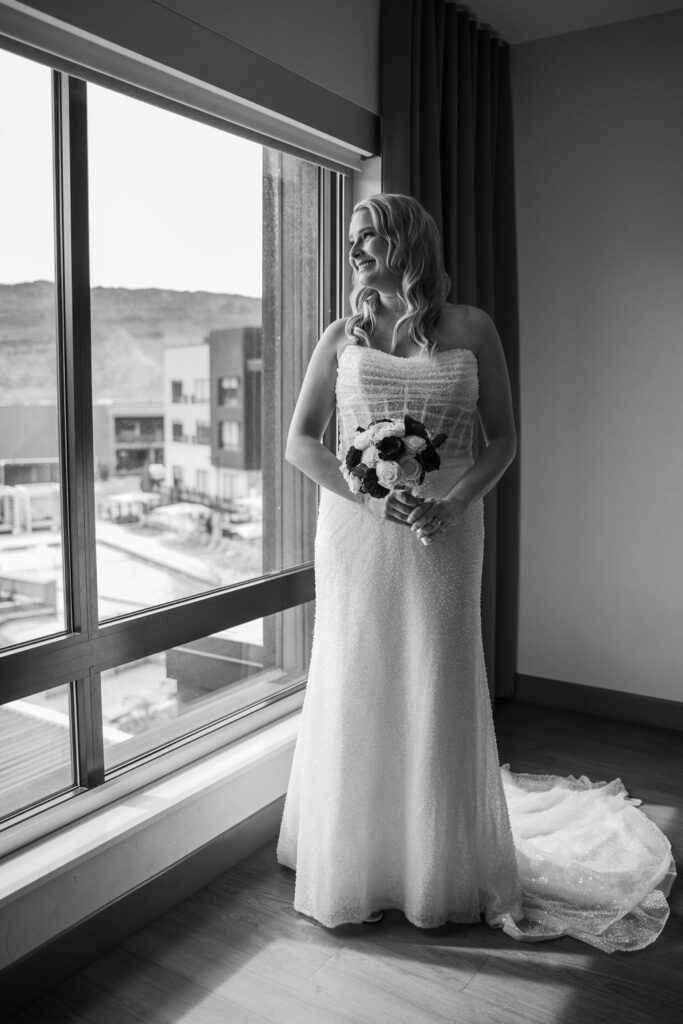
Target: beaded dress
396,797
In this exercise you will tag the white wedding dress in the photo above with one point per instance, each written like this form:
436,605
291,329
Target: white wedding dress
396,797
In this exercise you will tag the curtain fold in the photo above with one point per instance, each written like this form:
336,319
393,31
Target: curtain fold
446,111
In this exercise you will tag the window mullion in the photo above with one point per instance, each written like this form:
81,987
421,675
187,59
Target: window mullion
332,191
73,326
75,389
87,716
54,662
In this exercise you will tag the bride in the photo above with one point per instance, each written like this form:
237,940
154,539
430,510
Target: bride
396,797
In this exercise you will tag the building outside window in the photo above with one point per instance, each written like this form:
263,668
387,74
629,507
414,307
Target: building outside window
201,390
203,433
228,390
202,481
138,437
171,332
230,434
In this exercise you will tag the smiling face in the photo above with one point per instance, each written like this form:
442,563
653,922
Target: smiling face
368,255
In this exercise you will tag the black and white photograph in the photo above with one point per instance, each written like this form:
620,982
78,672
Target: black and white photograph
341,482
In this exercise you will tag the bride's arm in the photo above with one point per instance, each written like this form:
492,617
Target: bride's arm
495,415
312,414
498,425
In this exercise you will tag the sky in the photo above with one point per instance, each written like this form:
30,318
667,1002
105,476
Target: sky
173,203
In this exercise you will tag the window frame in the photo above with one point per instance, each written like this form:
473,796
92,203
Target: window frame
87,646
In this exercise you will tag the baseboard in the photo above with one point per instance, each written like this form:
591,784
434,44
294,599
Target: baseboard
603,703
45,967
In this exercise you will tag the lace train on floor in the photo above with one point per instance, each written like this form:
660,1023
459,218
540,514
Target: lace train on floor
592,865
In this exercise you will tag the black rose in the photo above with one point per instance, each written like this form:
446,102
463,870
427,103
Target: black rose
390,448
415,427
360,470
353,457
372,486
428,458
439,440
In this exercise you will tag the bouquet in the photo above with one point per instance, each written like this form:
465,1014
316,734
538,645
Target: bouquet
389,454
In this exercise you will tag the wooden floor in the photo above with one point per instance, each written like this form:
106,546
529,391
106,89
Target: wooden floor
238,953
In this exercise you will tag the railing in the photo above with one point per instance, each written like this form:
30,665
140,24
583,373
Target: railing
130,437
169,495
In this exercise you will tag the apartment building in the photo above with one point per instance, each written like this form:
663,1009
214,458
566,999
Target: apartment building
212,417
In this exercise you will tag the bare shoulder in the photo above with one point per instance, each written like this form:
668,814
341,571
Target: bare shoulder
462,326
334,338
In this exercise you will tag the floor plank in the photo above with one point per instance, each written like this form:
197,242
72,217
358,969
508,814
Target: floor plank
237,952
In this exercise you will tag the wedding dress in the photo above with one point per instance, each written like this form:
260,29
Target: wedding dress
396,797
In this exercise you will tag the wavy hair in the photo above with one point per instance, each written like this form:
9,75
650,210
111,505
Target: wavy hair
414,252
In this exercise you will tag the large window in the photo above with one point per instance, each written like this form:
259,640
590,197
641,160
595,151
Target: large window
31,541
155,548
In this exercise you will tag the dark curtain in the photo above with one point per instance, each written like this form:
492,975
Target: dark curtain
447,140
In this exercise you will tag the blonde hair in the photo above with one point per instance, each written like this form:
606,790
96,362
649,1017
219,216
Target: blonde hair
414,252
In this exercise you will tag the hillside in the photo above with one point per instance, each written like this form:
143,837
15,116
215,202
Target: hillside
130,329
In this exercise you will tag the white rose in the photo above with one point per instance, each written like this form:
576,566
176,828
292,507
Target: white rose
414,444
381,430
388,473
362,440
370,457
354,484
411,471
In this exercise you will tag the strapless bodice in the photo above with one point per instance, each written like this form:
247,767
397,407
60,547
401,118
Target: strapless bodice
440,390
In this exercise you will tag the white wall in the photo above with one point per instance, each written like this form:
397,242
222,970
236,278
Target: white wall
599,179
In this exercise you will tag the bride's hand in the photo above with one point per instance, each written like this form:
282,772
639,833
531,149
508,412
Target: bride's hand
434,515
396,506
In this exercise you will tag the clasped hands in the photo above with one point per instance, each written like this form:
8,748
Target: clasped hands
426,517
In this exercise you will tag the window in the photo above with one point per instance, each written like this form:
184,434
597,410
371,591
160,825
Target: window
201,390
35,740
129,429
32,585
202,481
203,433
149,589
228,390
143,702
230,434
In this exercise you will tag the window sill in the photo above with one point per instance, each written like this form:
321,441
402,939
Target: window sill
36,825
67,877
